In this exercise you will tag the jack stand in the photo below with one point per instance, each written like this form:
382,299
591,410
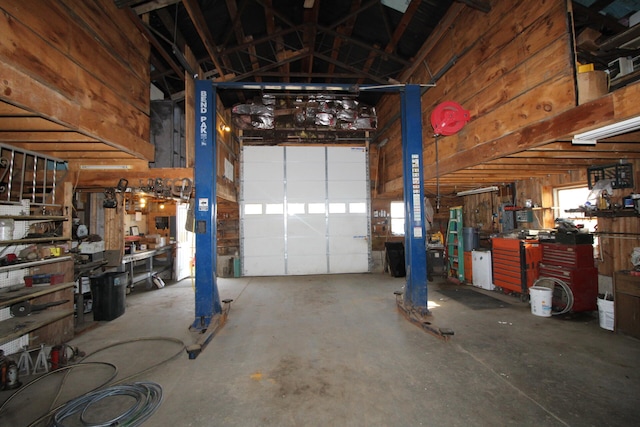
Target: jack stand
25,363
217,322
41,361
420,319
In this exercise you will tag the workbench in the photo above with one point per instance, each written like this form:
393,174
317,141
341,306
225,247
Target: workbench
140,265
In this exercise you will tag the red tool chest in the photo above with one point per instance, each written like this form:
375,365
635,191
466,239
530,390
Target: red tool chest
574,265
515,264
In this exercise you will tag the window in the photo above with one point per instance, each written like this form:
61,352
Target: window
316,208
359,207
397,218
337,208
253,209
571,199
274,208
295,208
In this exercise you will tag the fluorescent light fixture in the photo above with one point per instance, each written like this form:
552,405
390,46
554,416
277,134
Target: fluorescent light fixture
592,137
105,167
478,191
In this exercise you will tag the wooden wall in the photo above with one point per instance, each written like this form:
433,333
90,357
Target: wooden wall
81,63
511,67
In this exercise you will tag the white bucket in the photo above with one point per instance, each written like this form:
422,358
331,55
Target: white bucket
606,314
540,300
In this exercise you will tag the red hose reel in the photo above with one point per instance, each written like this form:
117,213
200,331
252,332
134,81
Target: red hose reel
449,118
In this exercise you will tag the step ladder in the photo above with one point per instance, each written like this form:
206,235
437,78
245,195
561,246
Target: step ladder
455,245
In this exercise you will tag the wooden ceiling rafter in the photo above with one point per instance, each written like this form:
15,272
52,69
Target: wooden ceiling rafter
197,18
345,29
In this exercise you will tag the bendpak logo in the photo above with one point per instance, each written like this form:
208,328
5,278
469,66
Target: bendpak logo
203,102
203,117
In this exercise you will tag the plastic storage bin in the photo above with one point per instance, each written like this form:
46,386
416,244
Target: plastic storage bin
108,292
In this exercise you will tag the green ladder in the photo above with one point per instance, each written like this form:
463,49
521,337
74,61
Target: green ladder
455,244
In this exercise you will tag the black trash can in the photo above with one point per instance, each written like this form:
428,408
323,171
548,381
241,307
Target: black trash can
108,292
395,258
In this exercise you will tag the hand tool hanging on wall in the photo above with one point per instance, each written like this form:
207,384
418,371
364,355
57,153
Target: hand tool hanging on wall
24,308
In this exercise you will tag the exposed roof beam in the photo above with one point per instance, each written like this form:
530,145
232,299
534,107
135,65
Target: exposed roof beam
347,30
353,13
297,56
153,5
197,18
384,55
433,40
481,5
402,25
309,37
351,68
154,42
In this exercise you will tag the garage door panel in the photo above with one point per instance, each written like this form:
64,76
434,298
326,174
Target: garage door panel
311,264
310,171
263,171
306,246
263,154
352,225
306,190
307,225
337,155
263,266
305,154
347,245
355,263
263,226
263,246
346,190
346,172
263,191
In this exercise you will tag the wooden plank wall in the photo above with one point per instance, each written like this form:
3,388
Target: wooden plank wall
513,67
81,63
228,227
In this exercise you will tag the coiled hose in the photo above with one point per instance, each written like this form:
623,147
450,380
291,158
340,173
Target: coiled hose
147,395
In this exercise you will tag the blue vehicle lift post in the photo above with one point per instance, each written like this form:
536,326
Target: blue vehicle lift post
210,315
413,303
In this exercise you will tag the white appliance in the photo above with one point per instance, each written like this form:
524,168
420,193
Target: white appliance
481,269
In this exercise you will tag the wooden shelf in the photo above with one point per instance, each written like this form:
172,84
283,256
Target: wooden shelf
33,263
35,217
34,240
16,327
9,298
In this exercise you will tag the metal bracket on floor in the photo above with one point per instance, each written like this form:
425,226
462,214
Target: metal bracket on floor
421,319
217,322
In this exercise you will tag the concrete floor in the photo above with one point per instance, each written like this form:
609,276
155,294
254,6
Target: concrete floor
333,350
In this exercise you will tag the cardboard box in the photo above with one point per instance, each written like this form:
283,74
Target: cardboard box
592,85
91,247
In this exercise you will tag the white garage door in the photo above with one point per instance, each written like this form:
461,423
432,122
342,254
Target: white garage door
304,210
